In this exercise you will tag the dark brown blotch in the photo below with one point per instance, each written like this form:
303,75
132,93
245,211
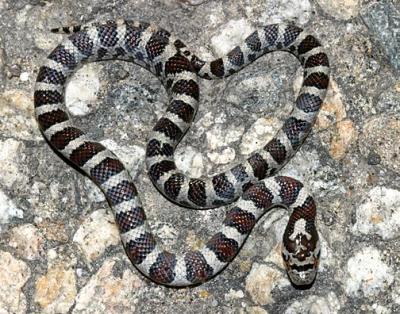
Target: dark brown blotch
186,87
225,249
197,192
47,97
241,220
173,185
51,118
122,192
131,219
277,150
308,43
217,67
319,59
259,195
169,129
182,110
289,189
62,138
84,152
197,268
222,187
106,169
51,76
160,168
163,269
318,80
259,166
138,249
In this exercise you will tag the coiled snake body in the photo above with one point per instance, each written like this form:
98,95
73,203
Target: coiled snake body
178,69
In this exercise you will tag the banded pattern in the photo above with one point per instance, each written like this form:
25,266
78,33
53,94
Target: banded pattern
178,69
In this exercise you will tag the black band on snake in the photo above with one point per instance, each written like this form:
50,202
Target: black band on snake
179,69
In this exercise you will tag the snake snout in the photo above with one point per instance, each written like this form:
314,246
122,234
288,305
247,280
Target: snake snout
302,258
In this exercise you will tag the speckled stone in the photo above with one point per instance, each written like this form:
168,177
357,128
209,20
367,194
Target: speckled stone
9,151
341,9
27,240
383,20
14,273
96,234
379,213
81,93
367,273
105,290
260,282
381,135
8,209
55,291
329,303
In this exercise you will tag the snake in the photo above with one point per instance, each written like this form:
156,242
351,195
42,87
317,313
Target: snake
251,187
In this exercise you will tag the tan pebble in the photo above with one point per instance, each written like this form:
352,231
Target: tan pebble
56,290
332,110
97,233
106,293
27,240
261,281
14,274
204,294
345,136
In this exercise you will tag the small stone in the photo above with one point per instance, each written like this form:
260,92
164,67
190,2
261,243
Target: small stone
235,31
383,20
258,135
234,294
17,118
269,12
381,135
53,230
373,159
10,151
81,92
261,281
96,233
316,304
56,290
225,157
13,71
379,214
190,161
367,274
27,240
220,136
8,210
46,42
14,274
122,74
332,110
117,294
204,294
24,76
340,9
345,136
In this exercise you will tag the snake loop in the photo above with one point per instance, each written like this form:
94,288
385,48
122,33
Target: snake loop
179,69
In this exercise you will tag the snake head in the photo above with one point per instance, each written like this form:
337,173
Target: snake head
301,252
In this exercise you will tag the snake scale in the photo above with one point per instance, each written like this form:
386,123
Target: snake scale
252,181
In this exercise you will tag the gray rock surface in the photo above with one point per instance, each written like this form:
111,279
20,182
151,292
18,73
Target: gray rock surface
383,20
59,247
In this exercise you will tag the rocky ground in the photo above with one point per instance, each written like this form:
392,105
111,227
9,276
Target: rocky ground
59,247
